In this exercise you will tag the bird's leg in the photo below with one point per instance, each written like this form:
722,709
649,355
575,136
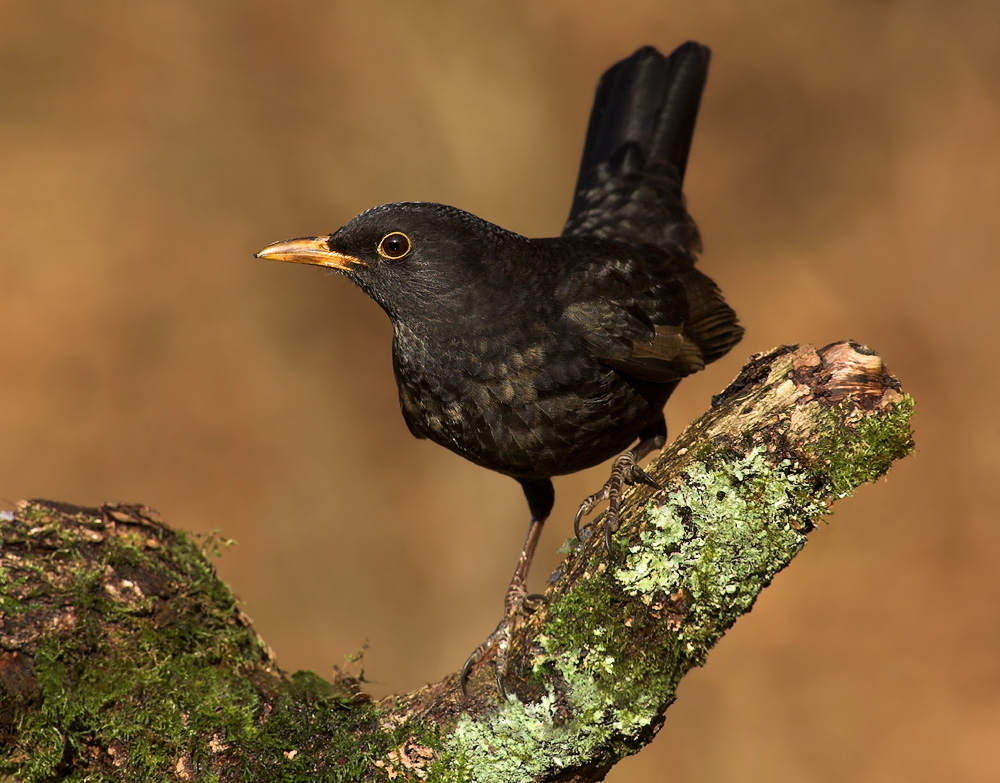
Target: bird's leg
540,497
513,605
625,470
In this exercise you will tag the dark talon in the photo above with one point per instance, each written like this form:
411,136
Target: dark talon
639,476
499,672
609,531
585,508
463,679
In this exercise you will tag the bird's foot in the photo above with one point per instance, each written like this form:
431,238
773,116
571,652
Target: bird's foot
517,604
624,471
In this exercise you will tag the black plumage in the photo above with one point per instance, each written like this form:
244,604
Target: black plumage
540,357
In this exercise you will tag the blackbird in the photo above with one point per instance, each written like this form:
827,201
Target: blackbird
541,357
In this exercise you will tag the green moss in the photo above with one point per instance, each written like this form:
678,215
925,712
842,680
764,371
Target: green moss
158,689
9,586
314,735
865,452
118,677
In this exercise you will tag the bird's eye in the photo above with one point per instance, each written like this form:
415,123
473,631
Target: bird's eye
394,245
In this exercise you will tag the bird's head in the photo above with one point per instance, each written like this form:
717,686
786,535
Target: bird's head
416,259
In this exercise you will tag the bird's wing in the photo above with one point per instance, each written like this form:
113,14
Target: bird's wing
636,151
648,314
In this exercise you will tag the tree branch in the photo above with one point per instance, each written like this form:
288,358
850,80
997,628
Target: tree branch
122,655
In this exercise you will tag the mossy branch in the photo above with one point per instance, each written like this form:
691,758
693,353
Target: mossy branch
123,657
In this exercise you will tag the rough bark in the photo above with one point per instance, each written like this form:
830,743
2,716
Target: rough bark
123,657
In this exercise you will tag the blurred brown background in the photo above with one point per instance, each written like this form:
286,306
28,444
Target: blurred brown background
846,176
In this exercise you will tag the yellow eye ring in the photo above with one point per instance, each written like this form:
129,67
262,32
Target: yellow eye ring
394,245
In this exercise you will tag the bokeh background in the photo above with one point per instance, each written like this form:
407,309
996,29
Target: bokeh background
846,176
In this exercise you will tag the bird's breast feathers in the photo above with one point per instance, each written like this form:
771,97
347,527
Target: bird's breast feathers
532,409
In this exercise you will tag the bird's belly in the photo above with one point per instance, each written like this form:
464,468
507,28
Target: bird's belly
527,430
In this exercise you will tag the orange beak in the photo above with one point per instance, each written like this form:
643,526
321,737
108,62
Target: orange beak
309,250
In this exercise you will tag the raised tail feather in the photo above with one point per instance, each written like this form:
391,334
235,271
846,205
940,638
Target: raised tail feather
636,150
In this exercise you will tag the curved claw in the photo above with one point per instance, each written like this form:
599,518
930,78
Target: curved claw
609,532
585,508
500,685
588,505
463,678
639,476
